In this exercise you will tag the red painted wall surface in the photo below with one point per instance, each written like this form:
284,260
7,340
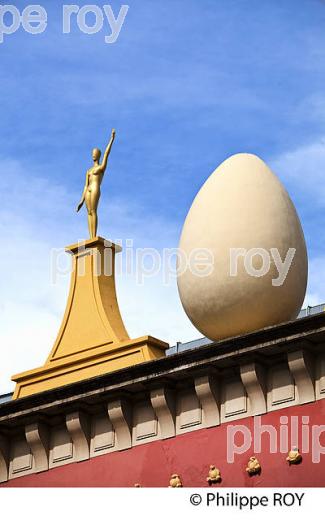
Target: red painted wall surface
190,455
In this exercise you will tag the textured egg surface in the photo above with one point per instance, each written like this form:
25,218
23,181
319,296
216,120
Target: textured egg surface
247,225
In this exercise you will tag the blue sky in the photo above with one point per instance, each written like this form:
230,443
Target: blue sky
187,83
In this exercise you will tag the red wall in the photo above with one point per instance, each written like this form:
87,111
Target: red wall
190,455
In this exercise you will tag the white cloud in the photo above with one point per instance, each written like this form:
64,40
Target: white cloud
303,169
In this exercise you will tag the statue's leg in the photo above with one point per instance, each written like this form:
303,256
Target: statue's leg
95,223
89,213
94,203
90,225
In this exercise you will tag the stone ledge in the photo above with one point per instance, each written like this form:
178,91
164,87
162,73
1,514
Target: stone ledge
164,398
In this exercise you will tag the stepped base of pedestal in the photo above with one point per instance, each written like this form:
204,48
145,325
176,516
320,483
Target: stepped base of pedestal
70,370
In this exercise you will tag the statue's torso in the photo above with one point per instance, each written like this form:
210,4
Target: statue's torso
94,178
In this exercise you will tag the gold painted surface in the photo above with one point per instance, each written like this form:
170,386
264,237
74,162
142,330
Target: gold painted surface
92,339
56,375
175,481
294,456
253,466
92,317
91,192
214,475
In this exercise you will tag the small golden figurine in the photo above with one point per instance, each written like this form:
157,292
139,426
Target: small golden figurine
253,466
294,456
91,193
175,481
214,475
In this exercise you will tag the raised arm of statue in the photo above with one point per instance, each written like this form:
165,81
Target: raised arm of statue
107,151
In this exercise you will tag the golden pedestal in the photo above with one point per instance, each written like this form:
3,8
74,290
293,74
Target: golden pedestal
92,339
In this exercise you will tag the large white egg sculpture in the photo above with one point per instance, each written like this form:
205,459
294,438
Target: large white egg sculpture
243,260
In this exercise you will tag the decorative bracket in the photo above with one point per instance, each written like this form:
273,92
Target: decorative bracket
207,392
253,379
78,427
301,367
4,458
38,440
163,403
120,414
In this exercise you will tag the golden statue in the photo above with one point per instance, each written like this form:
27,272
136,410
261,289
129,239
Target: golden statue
91,193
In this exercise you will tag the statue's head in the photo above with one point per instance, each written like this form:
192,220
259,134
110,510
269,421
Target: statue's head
96,154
